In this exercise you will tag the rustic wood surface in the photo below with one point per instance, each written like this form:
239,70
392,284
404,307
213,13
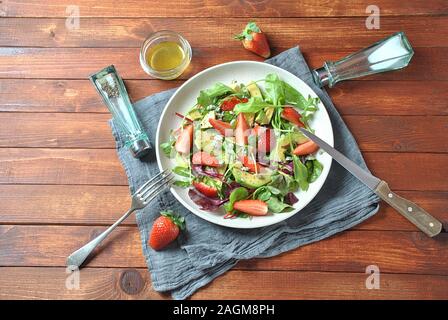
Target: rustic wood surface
61,182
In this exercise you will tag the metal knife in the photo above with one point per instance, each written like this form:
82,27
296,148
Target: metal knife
418,216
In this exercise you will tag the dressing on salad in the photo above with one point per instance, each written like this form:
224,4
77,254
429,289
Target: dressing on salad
239,147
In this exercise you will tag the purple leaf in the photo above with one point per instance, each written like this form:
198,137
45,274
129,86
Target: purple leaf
205,203
291,198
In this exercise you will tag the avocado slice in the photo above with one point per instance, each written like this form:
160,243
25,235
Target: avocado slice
205,124
283,143
250,180
194,114
254,90
264,116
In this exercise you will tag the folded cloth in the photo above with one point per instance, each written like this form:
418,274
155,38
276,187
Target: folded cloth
205,251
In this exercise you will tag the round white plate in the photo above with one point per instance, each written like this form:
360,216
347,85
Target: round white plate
243,72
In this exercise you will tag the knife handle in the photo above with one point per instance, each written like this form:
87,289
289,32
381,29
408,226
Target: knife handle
417,215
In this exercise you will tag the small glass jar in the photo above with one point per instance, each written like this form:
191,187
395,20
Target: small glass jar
154,40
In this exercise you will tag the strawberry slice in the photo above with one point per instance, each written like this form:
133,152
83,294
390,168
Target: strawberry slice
266,139
205,189
229,104
205,159
185,140
306,148
241,130
222,127
250,164
252,207
254,40
165,229
290,114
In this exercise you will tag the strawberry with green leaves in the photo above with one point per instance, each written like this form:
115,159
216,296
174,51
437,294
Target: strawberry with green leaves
254,40
165,229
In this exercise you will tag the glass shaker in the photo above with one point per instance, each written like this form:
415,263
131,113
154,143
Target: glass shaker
111,88
389,54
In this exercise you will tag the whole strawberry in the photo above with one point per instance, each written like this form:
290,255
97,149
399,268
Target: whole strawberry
254,40
165,229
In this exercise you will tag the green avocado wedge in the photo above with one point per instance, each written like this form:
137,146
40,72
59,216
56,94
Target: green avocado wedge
250,180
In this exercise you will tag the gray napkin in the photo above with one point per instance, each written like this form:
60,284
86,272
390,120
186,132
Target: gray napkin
205,250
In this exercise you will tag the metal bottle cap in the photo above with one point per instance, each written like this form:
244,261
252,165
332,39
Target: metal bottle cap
140,148
321,76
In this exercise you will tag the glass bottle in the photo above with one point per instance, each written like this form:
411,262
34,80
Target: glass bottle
389,54
111,88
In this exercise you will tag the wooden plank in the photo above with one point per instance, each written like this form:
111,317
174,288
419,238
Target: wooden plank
71,130
100,167
212,32
61,166
79,63
321,285
94,283
68,95
103,205
384,98
97,283
350,97
393,251
218,8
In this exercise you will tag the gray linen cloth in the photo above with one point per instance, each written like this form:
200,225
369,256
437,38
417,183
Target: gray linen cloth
205,251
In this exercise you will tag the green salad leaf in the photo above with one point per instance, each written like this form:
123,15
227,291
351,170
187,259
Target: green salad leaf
300,173
208,96
276,205
254,104
314,168
236,195
274,89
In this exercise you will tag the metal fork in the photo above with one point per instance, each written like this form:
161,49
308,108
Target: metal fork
140,199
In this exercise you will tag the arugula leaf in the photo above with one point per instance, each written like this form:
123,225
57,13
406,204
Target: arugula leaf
236,195
182,171
274,89
182,183
292,96
167,148
254,104
207,97
314,168
300,173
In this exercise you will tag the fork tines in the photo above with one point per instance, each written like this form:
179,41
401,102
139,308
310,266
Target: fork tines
153,187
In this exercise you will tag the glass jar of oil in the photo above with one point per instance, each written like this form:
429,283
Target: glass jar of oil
165,55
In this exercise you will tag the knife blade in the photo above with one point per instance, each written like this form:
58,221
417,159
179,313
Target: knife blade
415,214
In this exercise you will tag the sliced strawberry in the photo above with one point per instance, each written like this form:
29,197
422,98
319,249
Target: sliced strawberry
165,230
229,104
222,127
266,139
255,40
251,207
250,164
241,130
185,140
290,114
306,148
205,189
205,159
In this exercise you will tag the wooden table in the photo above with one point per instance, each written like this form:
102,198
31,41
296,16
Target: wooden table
61,182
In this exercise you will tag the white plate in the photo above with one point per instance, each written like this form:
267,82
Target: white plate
243,72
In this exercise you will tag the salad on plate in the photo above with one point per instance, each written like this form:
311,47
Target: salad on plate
239,148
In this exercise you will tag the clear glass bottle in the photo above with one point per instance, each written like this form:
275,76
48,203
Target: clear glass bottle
389,54
111,88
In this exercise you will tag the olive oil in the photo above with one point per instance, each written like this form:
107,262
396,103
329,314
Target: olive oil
165,55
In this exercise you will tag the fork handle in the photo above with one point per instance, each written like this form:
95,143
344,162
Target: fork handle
78,257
